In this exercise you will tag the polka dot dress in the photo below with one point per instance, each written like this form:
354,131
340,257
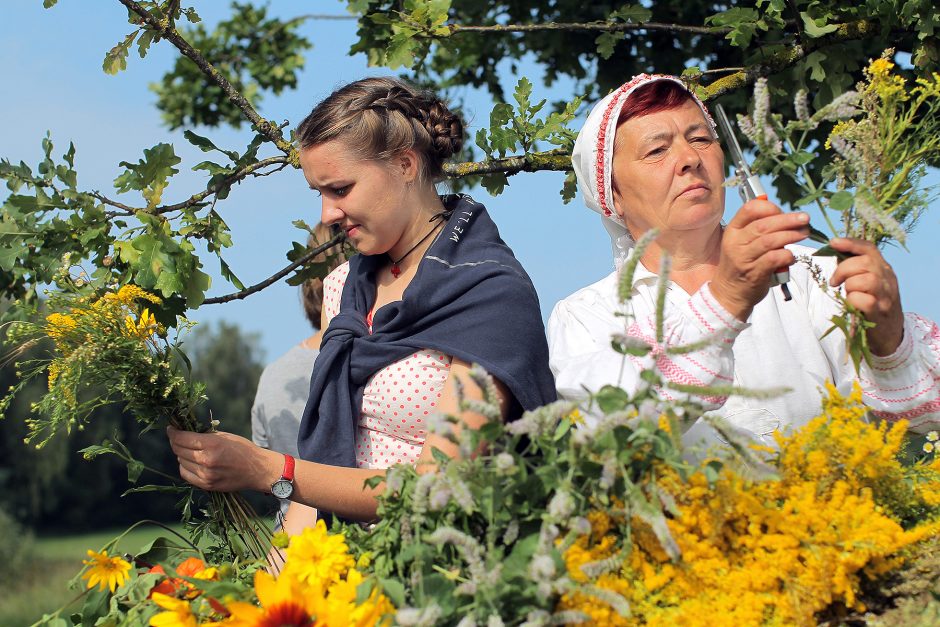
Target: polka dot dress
397,400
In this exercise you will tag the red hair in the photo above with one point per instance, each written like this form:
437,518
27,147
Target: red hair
653,98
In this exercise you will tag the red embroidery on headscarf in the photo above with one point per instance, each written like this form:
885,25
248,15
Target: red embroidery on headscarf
600,164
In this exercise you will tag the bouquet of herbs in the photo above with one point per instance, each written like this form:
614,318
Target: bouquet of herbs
106,346
867,178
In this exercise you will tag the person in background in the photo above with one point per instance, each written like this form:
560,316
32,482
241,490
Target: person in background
647,158
285,383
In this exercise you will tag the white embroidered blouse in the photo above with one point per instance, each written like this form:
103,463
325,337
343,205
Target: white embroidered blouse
781,345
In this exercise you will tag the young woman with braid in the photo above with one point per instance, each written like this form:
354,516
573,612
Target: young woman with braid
433,290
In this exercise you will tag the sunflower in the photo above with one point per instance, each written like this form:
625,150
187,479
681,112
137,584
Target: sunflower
178,612
284,603
109,572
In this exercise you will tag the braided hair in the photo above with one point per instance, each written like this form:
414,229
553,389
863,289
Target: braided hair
381,117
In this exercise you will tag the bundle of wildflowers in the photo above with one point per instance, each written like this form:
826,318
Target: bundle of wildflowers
321,584
104,345
844,512
867,177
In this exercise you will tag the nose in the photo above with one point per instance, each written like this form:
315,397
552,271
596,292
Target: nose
329,212
689,157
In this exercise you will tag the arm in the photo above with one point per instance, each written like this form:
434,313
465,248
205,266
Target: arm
581,355
903,379
225,462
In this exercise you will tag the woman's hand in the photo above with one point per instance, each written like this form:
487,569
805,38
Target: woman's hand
224,462
752,248
872,288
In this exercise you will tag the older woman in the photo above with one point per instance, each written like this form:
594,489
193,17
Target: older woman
404,319
648,157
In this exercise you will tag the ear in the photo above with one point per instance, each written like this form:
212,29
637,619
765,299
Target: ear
408,163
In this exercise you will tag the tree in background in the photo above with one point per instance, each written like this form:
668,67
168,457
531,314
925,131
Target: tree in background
137,235
55,488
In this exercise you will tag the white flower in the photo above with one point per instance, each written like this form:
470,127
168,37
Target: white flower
561,506
419,617
932,436
542,567
504,463
928,447
801,105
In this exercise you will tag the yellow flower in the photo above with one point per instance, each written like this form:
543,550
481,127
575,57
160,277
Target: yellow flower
928,447
109,572
880,67
284,603
58,325
575,417
178,612
317,557
932,436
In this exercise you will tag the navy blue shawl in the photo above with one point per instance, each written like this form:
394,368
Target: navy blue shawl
470,299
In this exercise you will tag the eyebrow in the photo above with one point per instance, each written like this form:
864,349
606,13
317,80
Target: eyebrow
698,126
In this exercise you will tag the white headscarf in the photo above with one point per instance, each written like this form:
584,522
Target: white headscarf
593,157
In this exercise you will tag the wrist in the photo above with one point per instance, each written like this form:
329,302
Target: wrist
738,308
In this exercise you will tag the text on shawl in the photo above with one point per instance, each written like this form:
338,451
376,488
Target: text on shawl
455,232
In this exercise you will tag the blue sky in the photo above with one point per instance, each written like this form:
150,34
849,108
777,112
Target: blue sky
53,81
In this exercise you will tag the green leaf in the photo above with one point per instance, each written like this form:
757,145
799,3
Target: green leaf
611,399
151,174
606,42
842,200
48,4
813,28
116,58
206,145
495,183
522,92
134,468
634,13
814,64
394,590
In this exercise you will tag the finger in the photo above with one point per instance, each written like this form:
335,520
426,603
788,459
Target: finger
774,241
751,211
866,282
774,259
186,439
798,221
860,264
854,246
866,303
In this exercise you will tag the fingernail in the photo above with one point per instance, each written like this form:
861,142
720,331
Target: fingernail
804,217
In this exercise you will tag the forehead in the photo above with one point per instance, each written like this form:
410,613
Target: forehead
662,124
327,161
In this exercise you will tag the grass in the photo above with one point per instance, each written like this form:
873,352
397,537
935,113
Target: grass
43,587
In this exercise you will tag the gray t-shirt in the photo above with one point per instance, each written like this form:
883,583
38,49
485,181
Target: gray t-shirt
279,403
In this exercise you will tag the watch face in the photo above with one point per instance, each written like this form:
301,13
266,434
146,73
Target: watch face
282,488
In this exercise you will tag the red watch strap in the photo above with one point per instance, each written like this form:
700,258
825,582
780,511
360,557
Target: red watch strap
288,468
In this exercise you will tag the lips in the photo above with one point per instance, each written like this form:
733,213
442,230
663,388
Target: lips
694,188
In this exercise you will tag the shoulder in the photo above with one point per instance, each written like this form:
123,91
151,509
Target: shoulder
337,278
588,312
598,297
288,365
333,290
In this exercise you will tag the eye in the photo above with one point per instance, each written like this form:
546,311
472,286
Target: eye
703,140
654,152
340,191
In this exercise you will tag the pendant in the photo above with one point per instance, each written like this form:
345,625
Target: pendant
396,271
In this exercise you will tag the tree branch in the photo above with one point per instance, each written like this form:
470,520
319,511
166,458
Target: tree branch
195,199
788,57
257,287
610,27
270,130
551,160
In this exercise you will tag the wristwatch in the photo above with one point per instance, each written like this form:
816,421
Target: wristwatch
284,487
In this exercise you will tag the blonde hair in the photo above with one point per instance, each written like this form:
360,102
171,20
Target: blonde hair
379,118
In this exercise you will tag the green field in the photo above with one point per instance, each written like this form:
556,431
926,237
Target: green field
43,587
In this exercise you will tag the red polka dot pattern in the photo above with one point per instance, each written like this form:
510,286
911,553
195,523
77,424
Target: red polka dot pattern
397,400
